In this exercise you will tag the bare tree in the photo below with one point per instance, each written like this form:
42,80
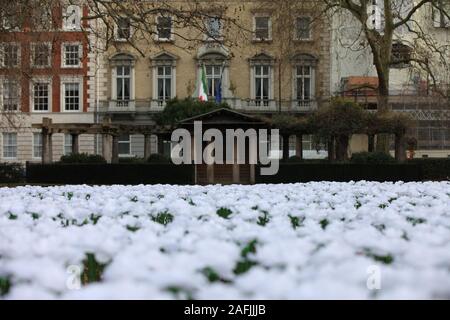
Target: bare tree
394,15
146,19
101,20
22,22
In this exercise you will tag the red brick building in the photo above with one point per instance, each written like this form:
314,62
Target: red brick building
43,73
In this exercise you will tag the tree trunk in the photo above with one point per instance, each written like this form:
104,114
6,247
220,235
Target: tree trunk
383,107
299,146
342,148
285,147
371,143
400,147
115,149
279,86
331,150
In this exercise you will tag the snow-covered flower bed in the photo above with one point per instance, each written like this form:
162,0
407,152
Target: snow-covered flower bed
316,240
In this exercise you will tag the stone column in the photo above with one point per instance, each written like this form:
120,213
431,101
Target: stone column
236,167
75,143
45,155
115,149
299,146
47,152
50,147
106,147
400,147
371,143
160,144
147,145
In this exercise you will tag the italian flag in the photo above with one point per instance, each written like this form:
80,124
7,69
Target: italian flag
203,87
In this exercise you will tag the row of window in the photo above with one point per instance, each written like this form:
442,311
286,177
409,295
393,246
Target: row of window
41,94
41,55
262,82
43,20
262,28
125,143
10,145
440,17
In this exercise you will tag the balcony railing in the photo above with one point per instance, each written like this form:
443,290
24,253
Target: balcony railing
250,105
122,105
304,105
157,104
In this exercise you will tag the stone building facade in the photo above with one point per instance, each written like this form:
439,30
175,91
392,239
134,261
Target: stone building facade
133,84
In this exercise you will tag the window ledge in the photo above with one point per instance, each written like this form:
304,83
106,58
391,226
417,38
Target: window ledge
268,41
71,67
41,67
163,40
304,40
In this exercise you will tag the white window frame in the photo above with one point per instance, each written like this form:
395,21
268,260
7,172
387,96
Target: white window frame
116,31
270,82
7,25
65,135
4,145
2,54
34,135
375,19
114,82
125,155
157,37
2,97
49,82
311,78
63,55
67,15
440,21
255,38
71,80
43,21
49,57
296,35
157,77
213,76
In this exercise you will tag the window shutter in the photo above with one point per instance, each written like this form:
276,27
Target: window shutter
114,83
2,84
445,17
2,55
436,18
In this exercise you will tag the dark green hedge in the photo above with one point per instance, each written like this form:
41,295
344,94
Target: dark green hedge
82,158
108,174
372,157
342,172
434,168
12,173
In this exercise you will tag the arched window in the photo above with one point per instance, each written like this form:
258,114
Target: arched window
261,86
304,70
122,72
72,18
216,65
164,78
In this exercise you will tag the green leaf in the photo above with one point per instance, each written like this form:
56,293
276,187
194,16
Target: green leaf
224,213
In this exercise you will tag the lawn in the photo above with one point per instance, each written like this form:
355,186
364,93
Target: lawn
361,240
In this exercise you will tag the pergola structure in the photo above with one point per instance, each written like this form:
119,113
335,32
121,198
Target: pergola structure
110,136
